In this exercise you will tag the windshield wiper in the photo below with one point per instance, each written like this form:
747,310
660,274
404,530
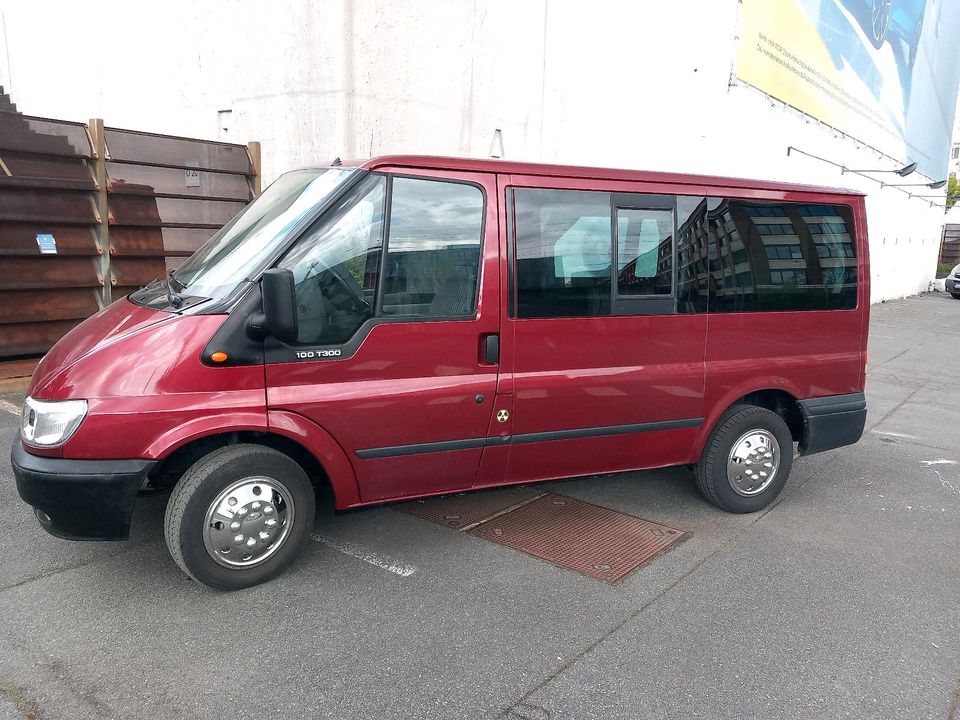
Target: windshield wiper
172,296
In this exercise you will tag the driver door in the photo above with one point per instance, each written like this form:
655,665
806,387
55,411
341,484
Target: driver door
397,290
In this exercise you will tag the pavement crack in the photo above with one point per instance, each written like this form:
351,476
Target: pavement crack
20,701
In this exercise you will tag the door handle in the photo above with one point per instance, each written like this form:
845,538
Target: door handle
491,349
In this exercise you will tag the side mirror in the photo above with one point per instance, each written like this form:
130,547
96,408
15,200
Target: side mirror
279,316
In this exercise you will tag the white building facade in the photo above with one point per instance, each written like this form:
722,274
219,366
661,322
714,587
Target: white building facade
621,84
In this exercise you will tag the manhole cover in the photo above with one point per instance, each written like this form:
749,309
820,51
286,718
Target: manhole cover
592,540
462,511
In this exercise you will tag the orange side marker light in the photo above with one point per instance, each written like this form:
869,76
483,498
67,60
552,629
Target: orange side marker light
219,356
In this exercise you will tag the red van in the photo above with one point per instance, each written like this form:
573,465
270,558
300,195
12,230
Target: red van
413,326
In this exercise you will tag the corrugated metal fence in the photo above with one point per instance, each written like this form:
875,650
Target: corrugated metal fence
950,244
88,214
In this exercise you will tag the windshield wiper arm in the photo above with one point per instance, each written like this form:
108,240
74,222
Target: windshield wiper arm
172,296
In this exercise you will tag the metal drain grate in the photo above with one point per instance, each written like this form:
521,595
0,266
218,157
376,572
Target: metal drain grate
462,512
592,540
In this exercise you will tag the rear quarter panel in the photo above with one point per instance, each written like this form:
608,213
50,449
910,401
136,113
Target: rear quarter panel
807,354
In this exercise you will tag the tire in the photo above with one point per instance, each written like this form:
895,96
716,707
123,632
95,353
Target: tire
956,296
747,428
242,482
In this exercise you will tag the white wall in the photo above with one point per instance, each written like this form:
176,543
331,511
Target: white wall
625,84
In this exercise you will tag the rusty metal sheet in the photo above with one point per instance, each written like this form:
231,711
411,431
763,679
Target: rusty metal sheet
49,271
150,180
47,166
175,242
54,206
141,210
41,135
21,306
576,535
32,338
21,239
465,511
135,271
170,151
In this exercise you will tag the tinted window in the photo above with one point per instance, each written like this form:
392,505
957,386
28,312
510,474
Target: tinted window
785,256
692,255
433,249
563,252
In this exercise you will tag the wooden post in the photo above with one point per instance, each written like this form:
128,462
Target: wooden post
253,148
102,229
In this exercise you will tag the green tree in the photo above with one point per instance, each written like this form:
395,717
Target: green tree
953,191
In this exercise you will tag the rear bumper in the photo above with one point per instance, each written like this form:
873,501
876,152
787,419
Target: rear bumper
831,422
79,499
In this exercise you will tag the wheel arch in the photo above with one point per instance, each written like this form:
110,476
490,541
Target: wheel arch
321,458
776,397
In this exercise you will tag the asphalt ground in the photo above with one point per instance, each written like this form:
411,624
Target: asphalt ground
841,600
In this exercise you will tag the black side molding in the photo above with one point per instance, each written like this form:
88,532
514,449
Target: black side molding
832,422
468,443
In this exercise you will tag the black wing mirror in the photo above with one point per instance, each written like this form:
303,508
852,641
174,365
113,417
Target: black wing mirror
279,316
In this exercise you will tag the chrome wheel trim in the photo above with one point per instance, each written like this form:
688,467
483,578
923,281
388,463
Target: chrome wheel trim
248,522
753,462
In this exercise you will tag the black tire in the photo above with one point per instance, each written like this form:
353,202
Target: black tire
711,471
956,296
185,519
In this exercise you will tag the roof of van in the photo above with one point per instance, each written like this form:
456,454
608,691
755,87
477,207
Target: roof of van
573,171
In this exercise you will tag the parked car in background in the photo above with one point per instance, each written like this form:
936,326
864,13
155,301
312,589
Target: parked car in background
952,282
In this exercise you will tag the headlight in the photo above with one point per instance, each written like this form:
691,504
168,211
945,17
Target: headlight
45,422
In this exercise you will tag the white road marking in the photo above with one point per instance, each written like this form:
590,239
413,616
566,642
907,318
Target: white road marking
9,407
896,434
938,461
944,483
368,556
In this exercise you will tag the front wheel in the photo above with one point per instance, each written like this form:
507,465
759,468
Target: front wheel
239,516
747,460
956,296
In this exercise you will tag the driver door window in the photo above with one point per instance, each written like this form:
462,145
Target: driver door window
336,266
432,259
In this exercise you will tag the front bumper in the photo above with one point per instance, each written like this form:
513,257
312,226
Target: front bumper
952,285
831,422
79,499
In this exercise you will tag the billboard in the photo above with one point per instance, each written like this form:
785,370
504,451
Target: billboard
882,71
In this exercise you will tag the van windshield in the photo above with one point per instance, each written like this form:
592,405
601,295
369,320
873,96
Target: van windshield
242,248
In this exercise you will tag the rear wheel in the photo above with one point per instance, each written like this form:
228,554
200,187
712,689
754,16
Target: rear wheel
239,516
956,296
747,460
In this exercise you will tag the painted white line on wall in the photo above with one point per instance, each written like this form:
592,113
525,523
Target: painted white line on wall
9,407
368,556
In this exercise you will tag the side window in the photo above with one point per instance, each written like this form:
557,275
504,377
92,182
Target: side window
336,266
644,251
433,249
563,252
785,256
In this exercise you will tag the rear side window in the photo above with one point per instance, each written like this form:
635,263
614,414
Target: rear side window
780,256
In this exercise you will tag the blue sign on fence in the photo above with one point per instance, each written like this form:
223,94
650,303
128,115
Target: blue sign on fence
47,244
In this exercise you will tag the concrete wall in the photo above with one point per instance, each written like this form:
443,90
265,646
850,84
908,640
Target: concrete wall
638,85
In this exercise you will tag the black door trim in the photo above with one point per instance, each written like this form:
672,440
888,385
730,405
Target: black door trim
470,443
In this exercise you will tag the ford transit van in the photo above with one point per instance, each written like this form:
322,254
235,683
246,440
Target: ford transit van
413,326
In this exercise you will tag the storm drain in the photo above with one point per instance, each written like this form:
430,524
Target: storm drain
572,534
462,512
592,540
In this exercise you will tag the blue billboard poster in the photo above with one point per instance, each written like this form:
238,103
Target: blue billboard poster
882,71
